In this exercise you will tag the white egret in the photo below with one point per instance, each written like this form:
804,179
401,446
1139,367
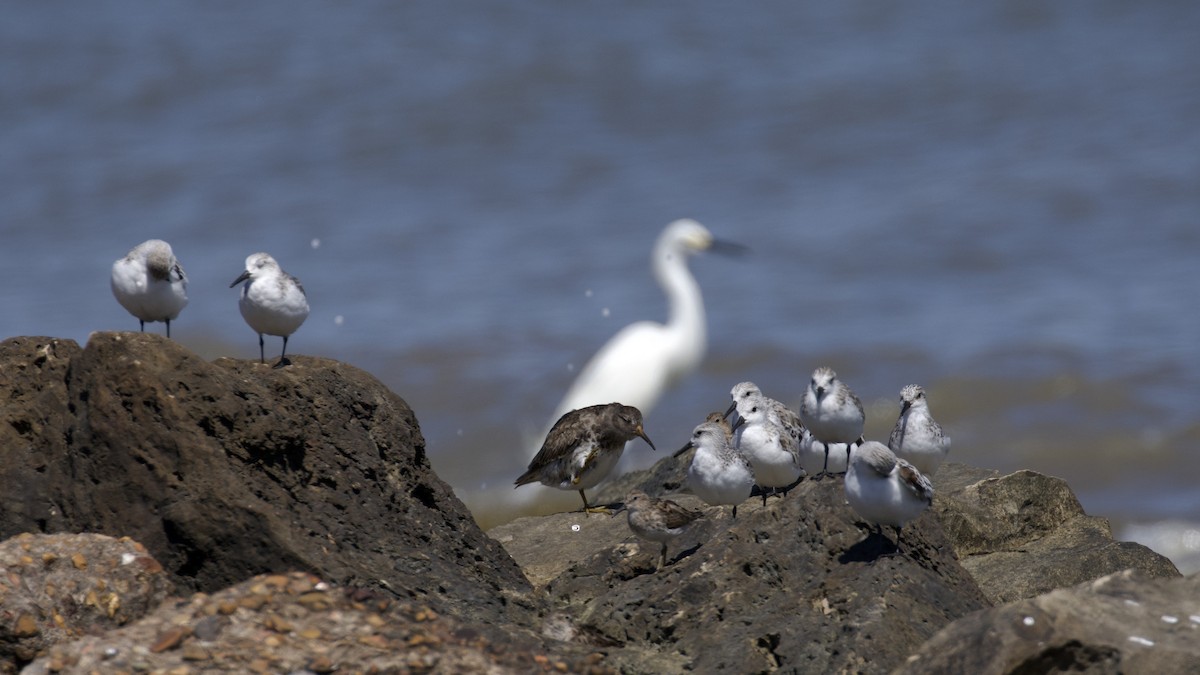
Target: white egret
646,358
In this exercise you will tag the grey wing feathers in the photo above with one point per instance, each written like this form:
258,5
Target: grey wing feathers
915,481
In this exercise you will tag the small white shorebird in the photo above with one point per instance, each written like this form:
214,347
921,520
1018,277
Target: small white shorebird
917,437
645,358
150,283
745,392
659,520
718,474
272,302
771,449
582,448
831,412
717,417
885,490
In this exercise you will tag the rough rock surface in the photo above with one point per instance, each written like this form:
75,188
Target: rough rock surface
56,588
1025,533
229,469
1121,623
799,585
298,623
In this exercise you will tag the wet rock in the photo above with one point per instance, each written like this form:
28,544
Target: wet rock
799,585
229,469
1121,623
1025,533
55,588
296,623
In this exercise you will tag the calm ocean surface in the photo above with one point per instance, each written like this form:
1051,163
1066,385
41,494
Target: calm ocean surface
997,200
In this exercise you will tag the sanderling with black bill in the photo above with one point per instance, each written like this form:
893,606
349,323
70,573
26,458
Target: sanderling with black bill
884,489
582,448
745,392
272,302
719,474
150,283
917,438
771,449
831,412
658,520
716,417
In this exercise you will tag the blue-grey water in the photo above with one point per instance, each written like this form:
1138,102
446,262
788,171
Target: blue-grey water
998,200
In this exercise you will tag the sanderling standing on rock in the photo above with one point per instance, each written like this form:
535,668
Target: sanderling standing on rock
582,448
272,301
917,438
659,520
150,283
716,417
885,490
831,412
744,393
718,474
771,449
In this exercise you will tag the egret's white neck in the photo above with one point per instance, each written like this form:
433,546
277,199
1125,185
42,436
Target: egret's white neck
685,306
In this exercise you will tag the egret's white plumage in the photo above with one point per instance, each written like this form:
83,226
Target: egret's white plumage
272,301
645,358
150,283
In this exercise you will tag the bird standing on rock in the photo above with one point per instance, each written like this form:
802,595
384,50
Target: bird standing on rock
659,520
885,490
831,412
272,301
150,283
917,437
582,448
719,474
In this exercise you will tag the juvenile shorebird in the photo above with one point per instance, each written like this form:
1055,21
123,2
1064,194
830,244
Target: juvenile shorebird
885,490
831,412
717,418
771,449
917,437
718,474
659,520
582,448
272,302
150,283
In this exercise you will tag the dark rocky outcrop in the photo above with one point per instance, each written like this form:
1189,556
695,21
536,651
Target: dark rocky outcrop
798,585
1121,623
315,475
229,469
56,588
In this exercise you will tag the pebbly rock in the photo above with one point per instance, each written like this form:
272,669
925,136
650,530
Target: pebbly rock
295,623
229,469
55,588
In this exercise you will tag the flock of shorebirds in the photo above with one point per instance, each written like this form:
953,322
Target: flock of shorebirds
150,283
767,445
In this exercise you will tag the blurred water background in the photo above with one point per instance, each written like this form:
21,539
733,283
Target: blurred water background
997,200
